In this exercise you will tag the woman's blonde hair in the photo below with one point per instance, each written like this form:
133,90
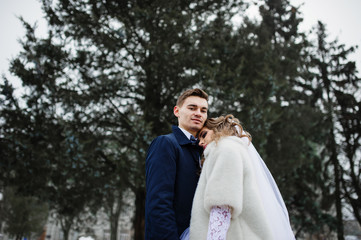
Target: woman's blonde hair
226,126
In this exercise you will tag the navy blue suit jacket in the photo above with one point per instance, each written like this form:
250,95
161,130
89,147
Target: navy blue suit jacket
172,167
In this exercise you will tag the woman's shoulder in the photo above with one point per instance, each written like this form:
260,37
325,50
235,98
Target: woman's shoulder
228,144
233,141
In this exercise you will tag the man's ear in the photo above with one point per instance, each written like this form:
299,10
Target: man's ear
176,111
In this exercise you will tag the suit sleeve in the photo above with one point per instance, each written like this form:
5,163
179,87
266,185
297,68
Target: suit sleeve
160,182
225,179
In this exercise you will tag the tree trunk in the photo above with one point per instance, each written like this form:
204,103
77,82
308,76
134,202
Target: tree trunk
114,229
65,227
66,233
18,237
138,222
114,219
340,232
333,157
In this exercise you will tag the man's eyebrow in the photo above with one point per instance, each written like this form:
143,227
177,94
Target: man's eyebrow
192,105
195,105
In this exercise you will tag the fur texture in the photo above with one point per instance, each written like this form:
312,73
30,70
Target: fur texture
228,178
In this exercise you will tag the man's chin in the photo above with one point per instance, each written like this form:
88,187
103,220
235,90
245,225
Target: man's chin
197,128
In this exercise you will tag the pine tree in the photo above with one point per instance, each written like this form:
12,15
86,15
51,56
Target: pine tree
256,72
336,81
111,72
23,216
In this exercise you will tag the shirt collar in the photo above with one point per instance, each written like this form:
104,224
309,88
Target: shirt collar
188,135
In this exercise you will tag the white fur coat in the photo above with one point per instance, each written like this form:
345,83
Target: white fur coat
228,178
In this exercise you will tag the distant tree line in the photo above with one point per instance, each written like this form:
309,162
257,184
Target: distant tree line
103,82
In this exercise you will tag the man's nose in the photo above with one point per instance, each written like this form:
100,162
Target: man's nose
198,112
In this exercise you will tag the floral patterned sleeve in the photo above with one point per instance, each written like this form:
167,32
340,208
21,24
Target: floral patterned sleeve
219,221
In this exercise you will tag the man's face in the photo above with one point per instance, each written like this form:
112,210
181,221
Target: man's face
192,114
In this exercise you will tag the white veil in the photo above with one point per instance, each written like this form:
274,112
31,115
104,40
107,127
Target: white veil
274,205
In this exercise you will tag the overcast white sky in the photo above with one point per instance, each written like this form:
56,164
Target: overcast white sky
342,19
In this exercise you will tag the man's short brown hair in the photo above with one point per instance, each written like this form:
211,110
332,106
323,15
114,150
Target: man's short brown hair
191,92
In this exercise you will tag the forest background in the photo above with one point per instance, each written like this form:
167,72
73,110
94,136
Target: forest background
103,82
